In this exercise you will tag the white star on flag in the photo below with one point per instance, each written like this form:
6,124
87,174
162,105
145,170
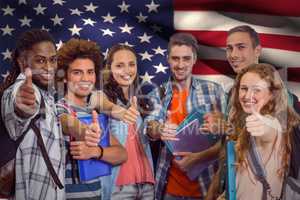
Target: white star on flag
75,12
8,10
156,28
107,32
45,29
126,28
159,50
75,30
25,21
124,7
7,30
146,78
90,7
108,18
146,56
145,38
60,2
141,18
22,2
6,54
152,7
160,68
57,20
40,9
88,22
127,44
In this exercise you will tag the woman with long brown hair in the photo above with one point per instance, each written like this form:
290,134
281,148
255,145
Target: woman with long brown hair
264,124
133,179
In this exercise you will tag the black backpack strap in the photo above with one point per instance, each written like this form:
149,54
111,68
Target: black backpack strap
42,145
255,164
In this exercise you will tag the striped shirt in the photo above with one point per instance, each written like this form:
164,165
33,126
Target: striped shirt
33,180
75,189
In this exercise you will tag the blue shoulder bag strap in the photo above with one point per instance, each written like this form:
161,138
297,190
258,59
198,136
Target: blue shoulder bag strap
230,164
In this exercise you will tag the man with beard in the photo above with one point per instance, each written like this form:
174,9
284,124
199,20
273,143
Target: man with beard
173,102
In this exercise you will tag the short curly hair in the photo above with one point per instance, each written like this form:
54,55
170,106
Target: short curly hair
74,49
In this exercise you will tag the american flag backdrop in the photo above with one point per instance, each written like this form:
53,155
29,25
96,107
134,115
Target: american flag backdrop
147,24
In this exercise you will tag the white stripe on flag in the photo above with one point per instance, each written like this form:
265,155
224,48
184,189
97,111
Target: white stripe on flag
223,21
278,57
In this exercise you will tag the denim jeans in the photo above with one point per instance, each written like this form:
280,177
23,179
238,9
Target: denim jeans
171,197
139,191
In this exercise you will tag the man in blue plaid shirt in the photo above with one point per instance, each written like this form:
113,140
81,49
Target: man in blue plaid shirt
172,102
31,82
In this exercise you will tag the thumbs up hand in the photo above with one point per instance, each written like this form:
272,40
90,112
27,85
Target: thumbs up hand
214,122
93,132
168,129
25,97
262,125
131,114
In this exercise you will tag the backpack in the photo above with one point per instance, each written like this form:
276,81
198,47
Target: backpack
8,153
291,184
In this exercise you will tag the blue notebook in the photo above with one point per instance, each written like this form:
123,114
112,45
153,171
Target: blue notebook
93,168
192,140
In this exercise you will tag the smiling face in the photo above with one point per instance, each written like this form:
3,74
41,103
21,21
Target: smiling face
254,92
124,67
42,59
81,78
240,51
181,59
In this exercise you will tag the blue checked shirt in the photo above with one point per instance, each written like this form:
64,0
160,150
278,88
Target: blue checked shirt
33,180
202,95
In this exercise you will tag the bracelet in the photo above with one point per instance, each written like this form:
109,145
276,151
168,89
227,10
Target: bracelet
101,153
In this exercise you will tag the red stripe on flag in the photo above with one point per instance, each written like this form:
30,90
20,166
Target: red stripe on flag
218,38
266,7
294,74
212,67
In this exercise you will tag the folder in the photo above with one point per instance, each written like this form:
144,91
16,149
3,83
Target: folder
193,140
93,168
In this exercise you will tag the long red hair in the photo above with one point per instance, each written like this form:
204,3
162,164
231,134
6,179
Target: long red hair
277,107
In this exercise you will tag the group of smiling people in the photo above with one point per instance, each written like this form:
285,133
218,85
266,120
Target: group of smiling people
75,81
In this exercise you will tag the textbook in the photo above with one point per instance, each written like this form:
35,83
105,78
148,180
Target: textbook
93,168
193,140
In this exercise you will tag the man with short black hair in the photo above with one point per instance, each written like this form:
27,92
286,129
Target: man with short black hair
32,79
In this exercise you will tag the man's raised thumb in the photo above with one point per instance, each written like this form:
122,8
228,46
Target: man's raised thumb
28,75
94,117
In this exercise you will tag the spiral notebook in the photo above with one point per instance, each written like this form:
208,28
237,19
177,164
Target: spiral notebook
193,140
93,168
